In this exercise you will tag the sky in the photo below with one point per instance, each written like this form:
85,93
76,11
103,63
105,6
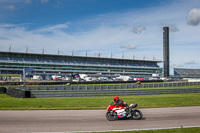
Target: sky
129,29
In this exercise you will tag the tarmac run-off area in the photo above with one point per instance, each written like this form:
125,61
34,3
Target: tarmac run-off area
94,120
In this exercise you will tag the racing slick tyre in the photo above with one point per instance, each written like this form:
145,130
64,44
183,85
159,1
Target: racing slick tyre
136,114
111,116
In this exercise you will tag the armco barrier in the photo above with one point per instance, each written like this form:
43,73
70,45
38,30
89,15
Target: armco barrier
99,90
108,87
2,90
102,93
14,92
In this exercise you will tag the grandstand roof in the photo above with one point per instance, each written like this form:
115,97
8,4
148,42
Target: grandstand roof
18,54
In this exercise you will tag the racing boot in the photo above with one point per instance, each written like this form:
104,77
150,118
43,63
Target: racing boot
128,110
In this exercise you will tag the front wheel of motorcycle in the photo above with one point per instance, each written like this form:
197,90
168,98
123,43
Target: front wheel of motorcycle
111,116
136,114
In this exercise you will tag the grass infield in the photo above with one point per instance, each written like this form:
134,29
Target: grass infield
69,103
179,130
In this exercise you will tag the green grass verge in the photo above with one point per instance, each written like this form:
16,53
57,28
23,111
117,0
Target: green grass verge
179,130
13,75
181,87
146,101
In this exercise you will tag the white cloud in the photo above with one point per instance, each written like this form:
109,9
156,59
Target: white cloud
194,17
9,7
128,47
172,27
28,1
176,66
6,25
44,1
53,28
190,62
138,29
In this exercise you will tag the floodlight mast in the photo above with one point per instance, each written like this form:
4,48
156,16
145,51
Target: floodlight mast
166,51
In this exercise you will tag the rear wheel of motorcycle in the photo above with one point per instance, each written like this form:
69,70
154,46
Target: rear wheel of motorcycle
136,114
111,116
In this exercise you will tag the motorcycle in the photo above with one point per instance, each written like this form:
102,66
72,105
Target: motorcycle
115,112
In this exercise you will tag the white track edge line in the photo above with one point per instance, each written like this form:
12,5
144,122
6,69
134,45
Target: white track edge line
120,130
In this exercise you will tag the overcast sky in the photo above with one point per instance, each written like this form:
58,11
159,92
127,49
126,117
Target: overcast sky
123,28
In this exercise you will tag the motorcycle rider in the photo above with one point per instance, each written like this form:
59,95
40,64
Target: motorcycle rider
121,102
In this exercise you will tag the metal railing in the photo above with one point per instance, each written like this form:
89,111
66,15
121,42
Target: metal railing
108,90
109,87
100,93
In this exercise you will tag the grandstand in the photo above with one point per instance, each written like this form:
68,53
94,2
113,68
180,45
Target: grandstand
16,63
186,72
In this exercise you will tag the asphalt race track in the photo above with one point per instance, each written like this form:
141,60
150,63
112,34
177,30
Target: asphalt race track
94,120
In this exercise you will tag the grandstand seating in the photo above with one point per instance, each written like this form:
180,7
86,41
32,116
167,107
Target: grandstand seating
3,58
57,61
186,72
12,62
15,59
73,61
26,59
44,60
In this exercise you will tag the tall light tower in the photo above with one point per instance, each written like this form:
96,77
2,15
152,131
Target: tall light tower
166,51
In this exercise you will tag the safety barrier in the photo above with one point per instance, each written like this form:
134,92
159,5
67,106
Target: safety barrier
2,90
101,90
15,92
108,87
100,93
